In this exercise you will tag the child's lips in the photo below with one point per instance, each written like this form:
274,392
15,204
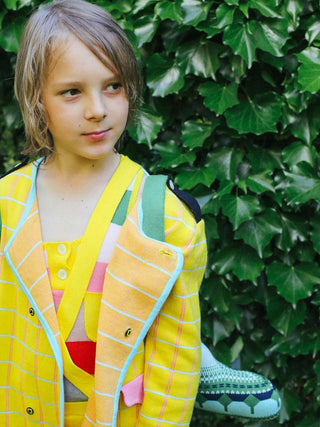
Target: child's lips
96,135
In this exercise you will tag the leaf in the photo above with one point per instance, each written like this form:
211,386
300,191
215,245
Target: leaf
306,125
189,179
239,208
303,184
225,161
313,32
163,76
236,348
12,116
317,369
23,3
294,229
172,36
293,282
254,116
216,22
224,15
266,7
232,2
142,4
298,152
11,33
270,36
260,182
149,124
172,155
261,158
194,133
2,15
200,57
294,8
218,295
290,403
191,176
169,10
11,4
219,98
195,11
145,28
297,343
240,259
315,233
221,330
297,100
283,316
241,40
309,70
259,231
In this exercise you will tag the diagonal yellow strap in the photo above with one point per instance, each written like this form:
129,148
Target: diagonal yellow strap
91,243
78,377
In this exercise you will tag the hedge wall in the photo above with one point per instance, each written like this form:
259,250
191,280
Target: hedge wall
231,110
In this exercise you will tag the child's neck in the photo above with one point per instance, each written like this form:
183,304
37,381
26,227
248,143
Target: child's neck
75,172
68,197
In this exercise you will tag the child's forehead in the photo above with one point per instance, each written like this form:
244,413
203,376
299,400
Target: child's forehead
67,47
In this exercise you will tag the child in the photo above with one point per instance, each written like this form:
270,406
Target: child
100,324
100,320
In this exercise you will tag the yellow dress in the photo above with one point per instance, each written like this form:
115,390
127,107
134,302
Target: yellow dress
81,341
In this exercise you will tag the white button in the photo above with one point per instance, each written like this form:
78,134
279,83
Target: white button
62,274
62,249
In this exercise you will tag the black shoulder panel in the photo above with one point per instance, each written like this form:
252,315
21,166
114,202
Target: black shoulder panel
189,200
18,166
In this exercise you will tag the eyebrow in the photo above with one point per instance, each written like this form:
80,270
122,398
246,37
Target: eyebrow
75,83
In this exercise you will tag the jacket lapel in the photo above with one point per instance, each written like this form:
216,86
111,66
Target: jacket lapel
138,280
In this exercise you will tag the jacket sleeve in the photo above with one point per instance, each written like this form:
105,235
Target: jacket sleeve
172,345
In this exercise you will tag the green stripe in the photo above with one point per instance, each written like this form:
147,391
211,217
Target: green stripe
121,212
153,206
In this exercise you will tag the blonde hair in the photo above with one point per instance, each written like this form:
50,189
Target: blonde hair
46,29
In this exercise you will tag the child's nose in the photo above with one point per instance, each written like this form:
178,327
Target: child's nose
95,108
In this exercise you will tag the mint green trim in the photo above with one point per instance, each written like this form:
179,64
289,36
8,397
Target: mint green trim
153,206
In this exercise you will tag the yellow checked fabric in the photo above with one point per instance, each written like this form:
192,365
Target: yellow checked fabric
150,289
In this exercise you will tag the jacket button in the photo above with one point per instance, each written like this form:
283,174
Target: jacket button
29,410
31,311
128,332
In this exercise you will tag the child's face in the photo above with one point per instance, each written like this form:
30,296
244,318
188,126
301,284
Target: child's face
86,106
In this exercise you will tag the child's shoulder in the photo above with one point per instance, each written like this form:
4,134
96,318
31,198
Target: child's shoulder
23,170
180,201
183,223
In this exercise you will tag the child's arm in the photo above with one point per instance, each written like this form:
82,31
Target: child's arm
172,346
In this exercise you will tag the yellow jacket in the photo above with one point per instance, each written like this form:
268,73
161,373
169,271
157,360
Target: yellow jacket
148,345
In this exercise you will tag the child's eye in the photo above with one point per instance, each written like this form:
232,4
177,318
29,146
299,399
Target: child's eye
114,87
70,93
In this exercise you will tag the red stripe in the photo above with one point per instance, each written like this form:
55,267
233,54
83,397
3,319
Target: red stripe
83,354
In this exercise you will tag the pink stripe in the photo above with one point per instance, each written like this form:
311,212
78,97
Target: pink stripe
133,392
97,278
57,295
